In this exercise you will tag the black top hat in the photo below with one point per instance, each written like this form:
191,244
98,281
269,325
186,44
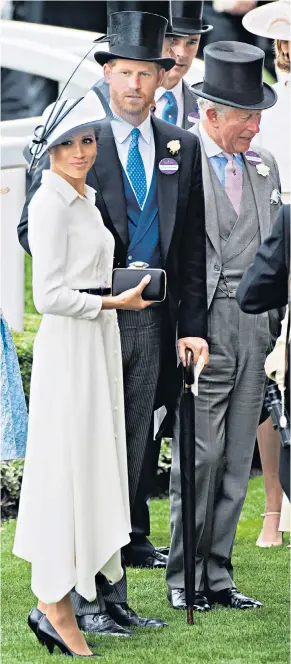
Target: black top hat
233,76
160,8
187,18
136,36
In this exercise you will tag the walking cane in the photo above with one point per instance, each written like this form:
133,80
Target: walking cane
187,468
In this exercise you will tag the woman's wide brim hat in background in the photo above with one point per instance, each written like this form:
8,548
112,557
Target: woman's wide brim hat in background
63,118
272,20
136,36
187,18
233,76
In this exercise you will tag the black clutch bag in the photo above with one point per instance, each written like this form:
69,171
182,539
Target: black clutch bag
124,278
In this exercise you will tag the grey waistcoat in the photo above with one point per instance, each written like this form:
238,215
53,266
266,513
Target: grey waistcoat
239,235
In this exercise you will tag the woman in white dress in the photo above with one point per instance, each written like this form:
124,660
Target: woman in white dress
74,510
273,20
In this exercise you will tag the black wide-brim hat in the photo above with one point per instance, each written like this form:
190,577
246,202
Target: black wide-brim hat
136,36
233,76
187,18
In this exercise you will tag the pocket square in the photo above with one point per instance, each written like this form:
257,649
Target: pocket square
275,197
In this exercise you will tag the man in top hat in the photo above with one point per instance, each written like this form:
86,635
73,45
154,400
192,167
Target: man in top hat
161,8
175,102
239,187
141,552
148,183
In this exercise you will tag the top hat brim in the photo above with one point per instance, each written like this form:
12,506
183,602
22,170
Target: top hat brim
270,98
176,32
102,57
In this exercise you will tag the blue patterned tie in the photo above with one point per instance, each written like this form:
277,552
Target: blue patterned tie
135,168
170,112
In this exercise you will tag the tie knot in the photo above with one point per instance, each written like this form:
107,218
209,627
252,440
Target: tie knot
135,134
228,156
169,96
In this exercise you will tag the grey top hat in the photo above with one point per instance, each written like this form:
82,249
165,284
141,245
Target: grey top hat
234,76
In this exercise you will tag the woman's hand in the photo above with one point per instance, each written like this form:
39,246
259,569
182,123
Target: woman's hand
130,299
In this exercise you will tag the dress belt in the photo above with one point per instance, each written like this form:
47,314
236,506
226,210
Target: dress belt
96,291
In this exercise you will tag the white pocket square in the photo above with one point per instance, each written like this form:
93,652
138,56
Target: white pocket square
275,197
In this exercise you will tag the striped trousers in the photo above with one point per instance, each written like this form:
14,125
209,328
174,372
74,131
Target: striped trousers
140,333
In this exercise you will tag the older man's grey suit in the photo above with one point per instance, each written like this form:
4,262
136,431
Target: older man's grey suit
231,389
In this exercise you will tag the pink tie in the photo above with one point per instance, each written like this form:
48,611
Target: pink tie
233,181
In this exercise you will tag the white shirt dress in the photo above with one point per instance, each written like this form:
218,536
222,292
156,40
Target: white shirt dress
74,509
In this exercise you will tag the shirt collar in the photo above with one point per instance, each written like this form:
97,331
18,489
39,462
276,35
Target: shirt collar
177,92
69,193
211,148
122,129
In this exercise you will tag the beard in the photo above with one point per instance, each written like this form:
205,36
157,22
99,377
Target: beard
123,106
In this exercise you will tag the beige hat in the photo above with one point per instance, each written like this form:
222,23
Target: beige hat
272,20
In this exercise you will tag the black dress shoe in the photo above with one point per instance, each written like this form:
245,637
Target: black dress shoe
163,549
233,598
51,638
176,597
101,624
155,560
33,619
126,617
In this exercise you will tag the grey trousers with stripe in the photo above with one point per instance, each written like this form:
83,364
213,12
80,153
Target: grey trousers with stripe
140,334
227,413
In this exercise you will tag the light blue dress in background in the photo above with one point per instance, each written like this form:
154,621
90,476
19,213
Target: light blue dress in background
13,406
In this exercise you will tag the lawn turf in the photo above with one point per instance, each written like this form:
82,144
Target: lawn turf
222,636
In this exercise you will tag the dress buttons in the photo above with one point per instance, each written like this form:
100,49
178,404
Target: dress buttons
116,380
129,258
217,267
115,408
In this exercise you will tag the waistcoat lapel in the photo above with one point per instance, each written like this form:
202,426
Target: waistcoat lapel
211,215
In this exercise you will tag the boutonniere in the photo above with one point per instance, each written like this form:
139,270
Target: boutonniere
174,146
263,169
254,159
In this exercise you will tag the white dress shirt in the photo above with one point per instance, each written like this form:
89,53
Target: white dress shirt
122,135
161,101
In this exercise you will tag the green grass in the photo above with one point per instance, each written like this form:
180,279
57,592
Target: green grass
28,299
223,636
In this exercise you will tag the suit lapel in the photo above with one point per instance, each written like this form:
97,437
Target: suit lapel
190,102
110,182
167,187
211,216
262,197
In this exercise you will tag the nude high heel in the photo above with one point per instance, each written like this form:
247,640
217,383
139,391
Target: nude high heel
267,545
